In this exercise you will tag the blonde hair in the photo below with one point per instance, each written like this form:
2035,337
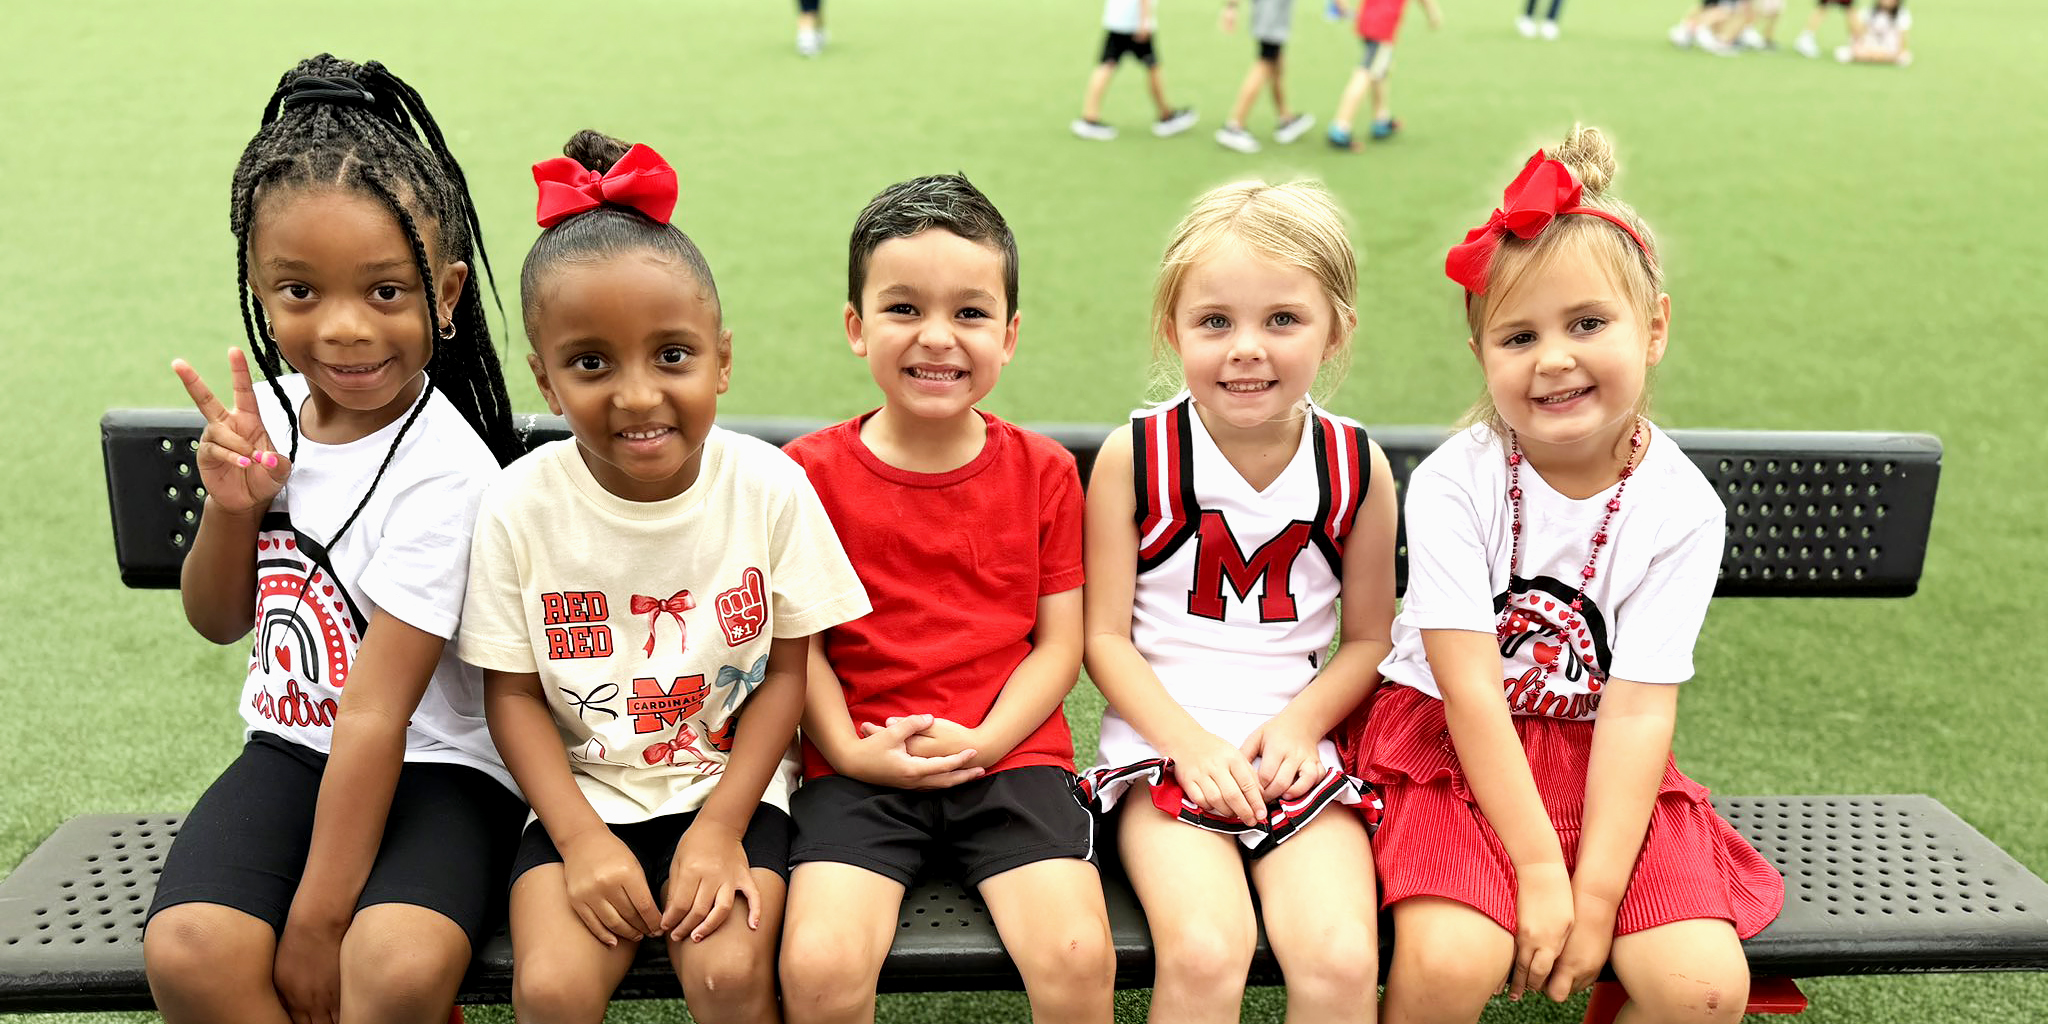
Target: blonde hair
1589,156
1296,224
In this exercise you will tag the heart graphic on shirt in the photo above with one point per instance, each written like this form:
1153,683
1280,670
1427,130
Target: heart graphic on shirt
1545,653
283,656
262,545
1549,606
290,544
328,590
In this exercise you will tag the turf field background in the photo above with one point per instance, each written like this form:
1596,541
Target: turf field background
1849,247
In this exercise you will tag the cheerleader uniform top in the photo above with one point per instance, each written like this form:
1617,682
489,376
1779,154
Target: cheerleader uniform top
1235,603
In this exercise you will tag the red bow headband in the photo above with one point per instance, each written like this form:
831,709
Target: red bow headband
1544,191
641,180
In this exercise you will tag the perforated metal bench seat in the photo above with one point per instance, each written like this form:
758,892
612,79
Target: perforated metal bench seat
1874,885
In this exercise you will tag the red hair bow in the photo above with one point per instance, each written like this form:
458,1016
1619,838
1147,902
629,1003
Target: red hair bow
641,180
1544,191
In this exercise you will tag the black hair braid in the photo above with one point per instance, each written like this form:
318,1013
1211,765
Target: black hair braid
254,328
411,106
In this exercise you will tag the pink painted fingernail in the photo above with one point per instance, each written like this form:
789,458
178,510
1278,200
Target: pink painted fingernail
242,461
270,459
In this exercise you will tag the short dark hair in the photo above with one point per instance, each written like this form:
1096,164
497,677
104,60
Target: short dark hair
605,232
934,201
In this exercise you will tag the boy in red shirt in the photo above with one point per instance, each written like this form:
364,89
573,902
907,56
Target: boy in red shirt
1378,21
933,731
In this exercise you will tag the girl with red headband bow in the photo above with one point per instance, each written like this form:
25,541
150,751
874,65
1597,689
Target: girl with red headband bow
1562,552
641,600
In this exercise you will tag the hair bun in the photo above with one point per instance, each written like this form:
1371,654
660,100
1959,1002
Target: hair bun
1590,157
595,150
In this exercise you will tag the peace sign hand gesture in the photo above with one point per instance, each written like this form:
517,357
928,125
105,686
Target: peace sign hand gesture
238,465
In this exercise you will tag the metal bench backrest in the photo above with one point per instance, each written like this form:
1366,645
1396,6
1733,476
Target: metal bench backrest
1809,513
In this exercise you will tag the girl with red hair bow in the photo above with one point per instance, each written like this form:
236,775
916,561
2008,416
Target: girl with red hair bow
1562,552
641,600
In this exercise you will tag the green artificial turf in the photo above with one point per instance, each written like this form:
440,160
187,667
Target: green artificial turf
1849,248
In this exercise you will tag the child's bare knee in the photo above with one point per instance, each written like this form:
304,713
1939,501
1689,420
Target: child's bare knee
1452,972
1204,959
1079,967
817,971
186,949
544,993
1692,997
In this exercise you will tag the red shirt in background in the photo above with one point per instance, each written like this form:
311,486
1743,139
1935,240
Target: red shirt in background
1378,20
954,564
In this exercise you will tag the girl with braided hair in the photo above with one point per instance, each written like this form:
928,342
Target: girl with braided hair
347,863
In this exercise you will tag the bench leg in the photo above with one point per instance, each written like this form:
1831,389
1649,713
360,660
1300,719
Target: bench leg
1766,995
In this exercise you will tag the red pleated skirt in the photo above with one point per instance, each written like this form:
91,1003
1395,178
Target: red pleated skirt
1433,840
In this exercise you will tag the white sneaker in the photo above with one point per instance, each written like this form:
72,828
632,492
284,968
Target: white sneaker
1233,137
1706,40
1680,36
1806,46
1293,128
1526,26
1093,129
1175,123
1547,30
809,42
1843,54
1751,39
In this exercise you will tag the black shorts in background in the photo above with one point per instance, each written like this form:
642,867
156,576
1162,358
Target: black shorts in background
1116,44
972,831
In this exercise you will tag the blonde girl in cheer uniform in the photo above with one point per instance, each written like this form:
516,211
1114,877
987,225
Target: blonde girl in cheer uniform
1224,528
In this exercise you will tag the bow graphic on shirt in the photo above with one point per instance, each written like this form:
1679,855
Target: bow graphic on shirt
652,607
737,684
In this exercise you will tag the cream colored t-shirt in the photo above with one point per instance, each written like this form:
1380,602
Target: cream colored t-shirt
650,622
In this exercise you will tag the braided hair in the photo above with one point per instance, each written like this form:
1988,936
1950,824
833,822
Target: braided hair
332,122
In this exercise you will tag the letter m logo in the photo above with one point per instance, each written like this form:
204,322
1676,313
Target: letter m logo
1219,558
653,708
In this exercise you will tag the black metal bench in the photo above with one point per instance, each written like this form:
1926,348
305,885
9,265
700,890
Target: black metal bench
1875,884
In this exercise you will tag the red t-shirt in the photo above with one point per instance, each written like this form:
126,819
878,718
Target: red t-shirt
954,564
1378,20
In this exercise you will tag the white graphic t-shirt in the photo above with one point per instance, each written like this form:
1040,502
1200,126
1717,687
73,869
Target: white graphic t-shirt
1124,16
1641,612
406,556
650,622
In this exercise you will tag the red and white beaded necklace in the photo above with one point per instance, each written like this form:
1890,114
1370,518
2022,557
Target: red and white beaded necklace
1514,622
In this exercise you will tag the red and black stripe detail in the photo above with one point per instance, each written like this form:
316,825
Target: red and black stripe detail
1163,473
1343,469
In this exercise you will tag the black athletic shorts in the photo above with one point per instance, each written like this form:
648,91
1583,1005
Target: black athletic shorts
1269,51
973,830
653,843
447,842
1116,44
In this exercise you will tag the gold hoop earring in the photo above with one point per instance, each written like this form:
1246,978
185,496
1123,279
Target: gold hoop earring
447,330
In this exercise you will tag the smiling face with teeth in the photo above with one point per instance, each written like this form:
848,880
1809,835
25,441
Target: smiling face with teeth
934,328
342,294
1567,356
631,352
1251,333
